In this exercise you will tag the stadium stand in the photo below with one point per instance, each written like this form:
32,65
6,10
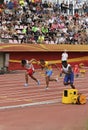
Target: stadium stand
48,23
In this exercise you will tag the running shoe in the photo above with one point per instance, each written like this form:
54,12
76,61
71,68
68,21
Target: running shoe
26,84
38,82
57,80
46,88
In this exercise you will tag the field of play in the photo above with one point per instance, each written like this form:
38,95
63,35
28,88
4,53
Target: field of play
35,108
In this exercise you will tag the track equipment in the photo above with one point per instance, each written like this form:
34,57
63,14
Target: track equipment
73,97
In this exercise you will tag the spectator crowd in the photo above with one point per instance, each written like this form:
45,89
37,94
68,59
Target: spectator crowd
30,22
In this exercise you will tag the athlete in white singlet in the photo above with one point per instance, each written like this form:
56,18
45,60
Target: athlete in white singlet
69,75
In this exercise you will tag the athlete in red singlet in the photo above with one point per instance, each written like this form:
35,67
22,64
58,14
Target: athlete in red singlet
29,70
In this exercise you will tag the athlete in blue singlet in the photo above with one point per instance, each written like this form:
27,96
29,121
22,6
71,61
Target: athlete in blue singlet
48,71
69,75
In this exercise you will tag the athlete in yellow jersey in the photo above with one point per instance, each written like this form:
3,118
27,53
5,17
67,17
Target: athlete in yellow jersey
48,71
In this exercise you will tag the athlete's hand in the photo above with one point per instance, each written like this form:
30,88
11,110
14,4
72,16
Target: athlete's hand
38,62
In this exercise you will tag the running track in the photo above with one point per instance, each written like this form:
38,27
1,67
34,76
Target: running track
50,115
13,93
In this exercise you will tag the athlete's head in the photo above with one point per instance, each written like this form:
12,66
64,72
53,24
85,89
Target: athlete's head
42,61
64,63
23,62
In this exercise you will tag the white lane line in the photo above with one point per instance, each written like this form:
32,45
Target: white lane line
30,104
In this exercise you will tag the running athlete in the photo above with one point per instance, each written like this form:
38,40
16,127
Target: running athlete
48,71
69,75
29,70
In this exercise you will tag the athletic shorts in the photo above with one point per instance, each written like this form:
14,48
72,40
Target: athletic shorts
49,72
69,77
30,72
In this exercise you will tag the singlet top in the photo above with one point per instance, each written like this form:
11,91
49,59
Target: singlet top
47,66
66,69
29,66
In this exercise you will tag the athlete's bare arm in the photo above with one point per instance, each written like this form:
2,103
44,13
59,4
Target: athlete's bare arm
33,60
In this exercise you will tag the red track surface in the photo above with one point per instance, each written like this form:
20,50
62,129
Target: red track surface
46,111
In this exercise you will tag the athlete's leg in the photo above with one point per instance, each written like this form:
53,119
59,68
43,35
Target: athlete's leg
49,73
30,73
72,81
48,77
35,79
51,79
69,79
65,82
26,77
72,85
47,81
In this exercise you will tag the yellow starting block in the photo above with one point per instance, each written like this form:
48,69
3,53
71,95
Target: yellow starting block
68,95
72,96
